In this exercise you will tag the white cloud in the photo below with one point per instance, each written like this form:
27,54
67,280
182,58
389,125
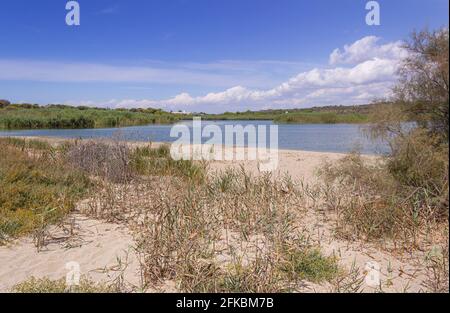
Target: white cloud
361,72
359,84
365,49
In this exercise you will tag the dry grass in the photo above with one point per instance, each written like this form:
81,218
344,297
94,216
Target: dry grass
223,232
45,285
150,161
226,232
108,160
234,232
401,201
190,225
36,188
402,197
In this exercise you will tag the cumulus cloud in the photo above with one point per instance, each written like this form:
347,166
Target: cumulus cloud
365,49
358,73
364,75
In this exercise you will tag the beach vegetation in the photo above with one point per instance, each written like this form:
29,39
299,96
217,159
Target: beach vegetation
405,194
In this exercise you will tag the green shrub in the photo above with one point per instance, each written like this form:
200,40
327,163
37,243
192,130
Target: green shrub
421,161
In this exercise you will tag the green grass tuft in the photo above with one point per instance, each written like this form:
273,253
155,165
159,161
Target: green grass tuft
46,285
310,265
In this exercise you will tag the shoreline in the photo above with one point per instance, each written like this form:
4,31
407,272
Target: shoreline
297,164
55,140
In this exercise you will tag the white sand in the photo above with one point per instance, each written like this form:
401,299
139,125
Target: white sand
95,245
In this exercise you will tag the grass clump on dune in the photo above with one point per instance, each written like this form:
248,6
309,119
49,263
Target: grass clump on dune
158,161
376,200
46,285
36,188
309,264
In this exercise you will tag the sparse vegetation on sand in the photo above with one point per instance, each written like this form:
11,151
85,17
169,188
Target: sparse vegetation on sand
45,285
228,232
404,196
36,187
407,193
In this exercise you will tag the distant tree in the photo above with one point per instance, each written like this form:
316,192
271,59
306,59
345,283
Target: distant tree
4,103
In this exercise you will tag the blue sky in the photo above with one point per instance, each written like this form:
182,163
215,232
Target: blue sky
209,55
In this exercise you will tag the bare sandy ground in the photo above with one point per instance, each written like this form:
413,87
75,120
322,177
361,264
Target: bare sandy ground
100,247
103,251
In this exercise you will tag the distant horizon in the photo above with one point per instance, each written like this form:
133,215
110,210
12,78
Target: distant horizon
193,112
226,56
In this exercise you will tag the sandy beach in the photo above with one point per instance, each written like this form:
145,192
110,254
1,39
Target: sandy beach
105,251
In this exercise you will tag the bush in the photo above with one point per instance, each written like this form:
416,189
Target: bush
110,160
421,161
408,191
4,103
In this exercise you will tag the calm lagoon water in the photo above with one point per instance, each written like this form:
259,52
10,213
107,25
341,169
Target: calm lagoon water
309,137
